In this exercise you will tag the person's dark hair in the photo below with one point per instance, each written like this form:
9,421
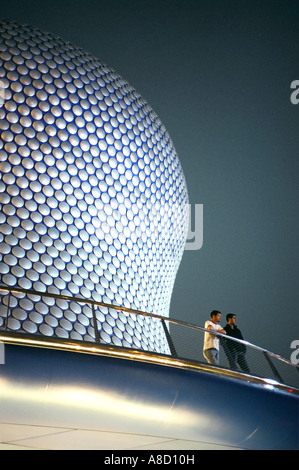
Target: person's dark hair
214,313
230,315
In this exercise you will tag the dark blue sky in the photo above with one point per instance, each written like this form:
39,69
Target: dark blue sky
218,74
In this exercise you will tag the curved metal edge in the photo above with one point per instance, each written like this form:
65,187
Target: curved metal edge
84,347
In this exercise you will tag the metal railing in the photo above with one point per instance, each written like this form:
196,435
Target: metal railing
28,312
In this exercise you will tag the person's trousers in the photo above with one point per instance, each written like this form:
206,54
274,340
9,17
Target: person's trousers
238,359
212,356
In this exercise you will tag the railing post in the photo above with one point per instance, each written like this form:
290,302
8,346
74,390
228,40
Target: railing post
95,325
273,368
170,342
7,312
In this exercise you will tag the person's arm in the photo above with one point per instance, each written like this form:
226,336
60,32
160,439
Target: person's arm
221,330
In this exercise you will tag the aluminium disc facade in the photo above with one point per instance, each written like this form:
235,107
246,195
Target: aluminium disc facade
92,195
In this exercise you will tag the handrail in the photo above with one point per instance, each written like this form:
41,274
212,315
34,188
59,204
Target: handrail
96,304
136,312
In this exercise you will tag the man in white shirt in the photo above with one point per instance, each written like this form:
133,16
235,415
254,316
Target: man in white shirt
211,341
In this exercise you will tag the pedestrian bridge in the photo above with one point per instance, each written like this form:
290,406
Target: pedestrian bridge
63,393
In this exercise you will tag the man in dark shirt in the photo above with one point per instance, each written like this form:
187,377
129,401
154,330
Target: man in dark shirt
234,350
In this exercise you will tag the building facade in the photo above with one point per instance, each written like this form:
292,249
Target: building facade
93,199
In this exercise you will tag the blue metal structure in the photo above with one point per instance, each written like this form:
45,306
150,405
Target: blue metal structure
111,398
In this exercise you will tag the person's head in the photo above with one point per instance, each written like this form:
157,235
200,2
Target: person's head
215,316
231,319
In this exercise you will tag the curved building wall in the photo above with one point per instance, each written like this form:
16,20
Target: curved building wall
92,195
